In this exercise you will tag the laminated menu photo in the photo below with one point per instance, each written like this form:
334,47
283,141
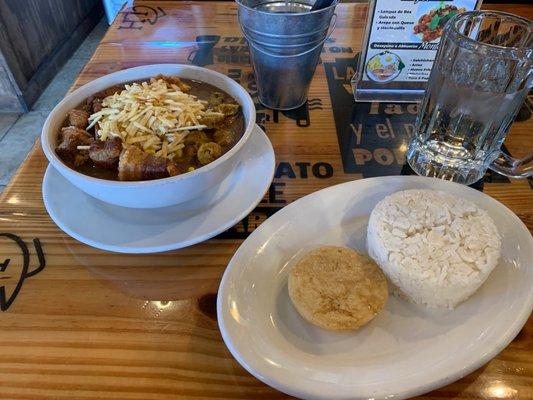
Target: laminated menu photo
400,45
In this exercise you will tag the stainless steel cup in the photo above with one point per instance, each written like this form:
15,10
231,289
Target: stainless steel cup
285,41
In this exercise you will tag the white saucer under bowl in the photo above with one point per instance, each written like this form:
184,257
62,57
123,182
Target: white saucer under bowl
128,230
406,350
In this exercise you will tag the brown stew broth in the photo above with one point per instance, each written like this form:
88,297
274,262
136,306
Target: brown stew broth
203,91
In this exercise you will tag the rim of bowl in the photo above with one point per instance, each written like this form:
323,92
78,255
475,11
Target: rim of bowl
60,165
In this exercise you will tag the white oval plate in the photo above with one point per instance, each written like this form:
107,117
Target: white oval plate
406,350
129,230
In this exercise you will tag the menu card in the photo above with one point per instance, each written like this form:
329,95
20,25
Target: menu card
400,45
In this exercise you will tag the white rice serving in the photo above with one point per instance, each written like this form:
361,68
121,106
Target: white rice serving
435,249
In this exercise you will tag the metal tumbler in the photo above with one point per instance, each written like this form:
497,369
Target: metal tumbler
285,41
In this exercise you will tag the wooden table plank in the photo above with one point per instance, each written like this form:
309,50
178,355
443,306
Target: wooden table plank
97,325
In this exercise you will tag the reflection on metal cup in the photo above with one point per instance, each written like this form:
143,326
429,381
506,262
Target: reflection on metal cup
285,41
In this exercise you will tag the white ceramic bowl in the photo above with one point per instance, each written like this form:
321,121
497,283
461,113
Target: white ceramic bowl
159,192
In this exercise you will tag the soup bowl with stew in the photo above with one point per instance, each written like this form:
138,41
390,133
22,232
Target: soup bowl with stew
158,192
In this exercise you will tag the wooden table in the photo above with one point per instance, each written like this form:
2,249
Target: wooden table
96,325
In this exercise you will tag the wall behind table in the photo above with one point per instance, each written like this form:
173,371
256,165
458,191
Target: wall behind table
36,38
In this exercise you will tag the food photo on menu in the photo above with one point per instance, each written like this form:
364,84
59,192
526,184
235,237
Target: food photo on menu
263,199
384,66
400,45
431,24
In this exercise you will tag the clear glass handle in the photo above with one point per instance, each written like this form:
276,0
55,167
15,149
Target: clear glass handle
512,167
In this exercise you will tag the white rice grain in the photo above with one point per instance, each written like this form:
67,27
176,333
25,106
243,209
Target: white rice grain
436,249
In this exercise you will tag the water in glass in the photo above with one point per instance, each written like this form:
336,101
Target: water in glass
481,75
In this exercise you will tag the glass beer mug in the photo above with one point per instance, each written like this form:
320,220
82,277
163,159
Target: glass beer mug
482,73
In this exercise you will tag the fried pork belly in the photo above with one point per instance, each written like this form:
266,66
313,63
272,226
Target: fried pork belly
136,165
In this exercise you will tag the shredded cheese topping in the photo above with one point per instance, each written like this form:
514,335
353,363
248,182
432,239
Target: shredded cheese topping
155,115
